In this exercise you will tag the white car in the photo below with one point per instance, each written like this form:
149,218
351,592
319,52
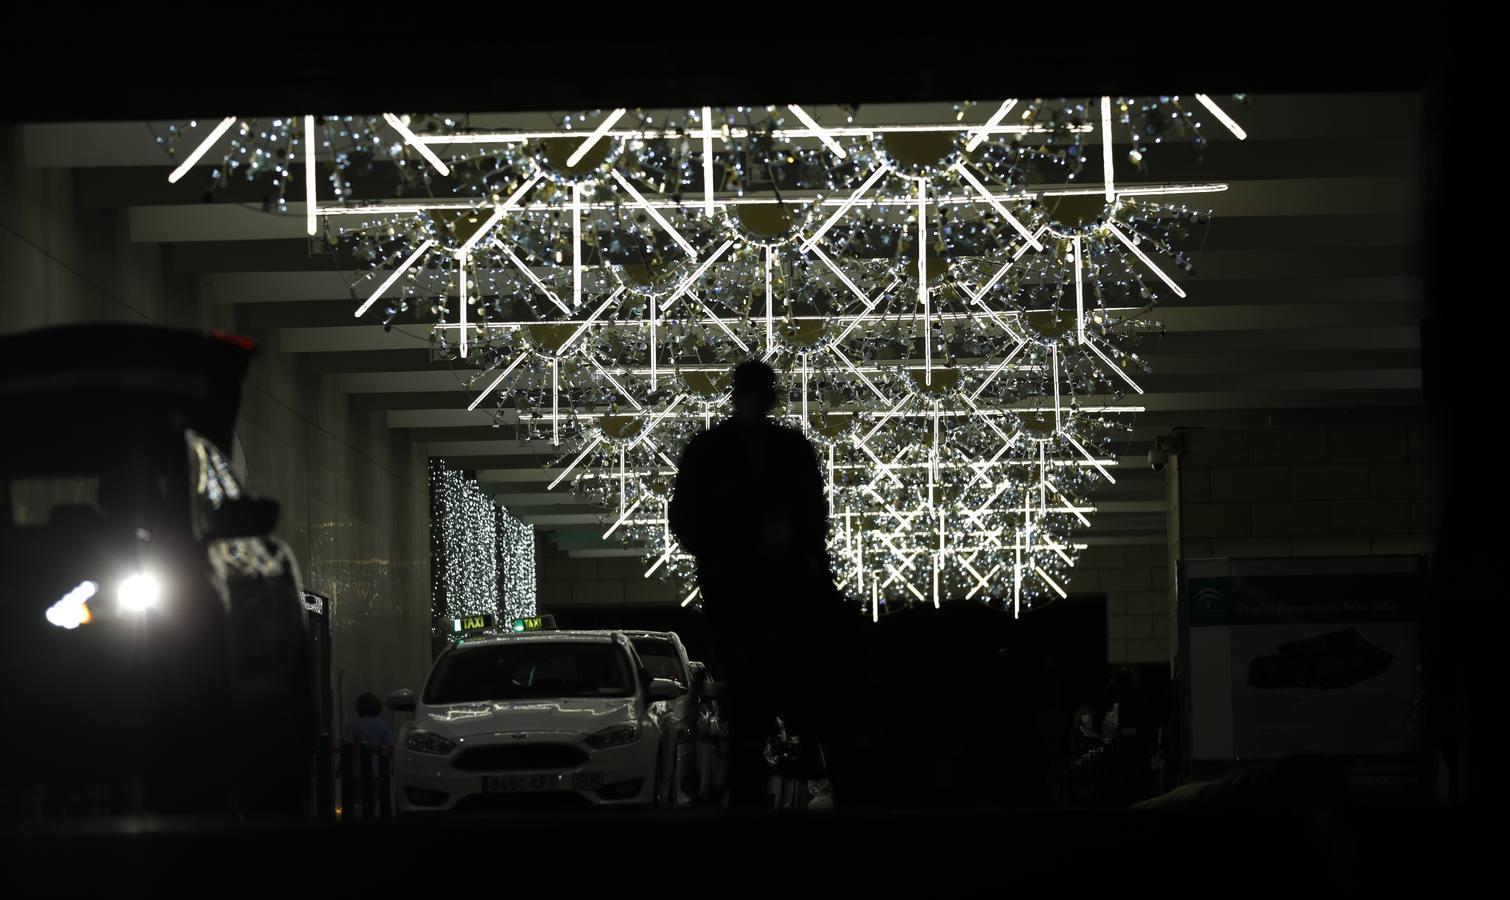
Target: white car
693,719
542,719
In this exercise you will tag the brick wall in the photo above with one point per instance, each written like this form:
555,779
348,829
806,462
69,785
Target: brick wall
1317,492
1135,580
605,581
1355,491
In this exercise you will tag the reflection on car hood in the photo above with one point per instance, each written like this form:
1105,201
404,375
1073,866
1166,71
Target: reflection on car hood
570,716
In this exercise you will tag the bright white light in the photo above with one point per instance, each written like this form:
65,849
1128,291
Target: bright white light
844,207
1236,129
70,611
499,380
500,212
708,162
412,140
1079,293
817,129
309,175
1138,252
413,258
1051,582
204,146
530,274
461,283
580,456
692,596
698,273
996,204
139,592
593,138
1106,148
995,120
655,214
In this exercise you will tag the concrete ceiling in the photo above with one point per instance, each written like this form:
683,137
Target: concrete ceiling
1304,310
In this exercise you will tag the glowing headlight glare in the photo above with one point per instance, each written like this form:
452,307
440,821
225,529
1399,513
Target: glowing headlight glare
138,591
70,612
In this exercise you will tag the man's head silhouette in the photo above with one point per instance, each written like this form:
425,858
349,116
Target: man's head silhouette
754,390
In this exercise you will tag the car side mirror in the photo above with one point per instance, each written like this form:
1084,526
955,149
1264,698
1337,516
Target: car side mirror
711,690
243,517
662,689
401,700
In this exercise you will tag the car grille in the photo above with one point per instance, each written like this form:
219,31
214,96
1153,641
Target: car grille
521,758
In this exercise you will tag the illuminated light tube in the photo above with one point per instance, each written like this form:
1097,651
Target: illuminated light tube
1091,459
1107,149
696,274
202,149
1114,367
824,136
593,138
1051,582
692,596
1079,293
500,212
310,206
996,204
580,456
608,376
844,207
590,319
656,420
744,348
842,277
1144,257
576,245
658,563
397,273
534,279
655,214
413,140
1068,508
461,283
995,120
624,518
1221,115
499,380
1171,189
708,207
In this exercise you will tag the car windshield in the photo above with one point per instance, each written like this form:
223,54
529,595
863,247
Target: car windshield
533,670
67,479
661,659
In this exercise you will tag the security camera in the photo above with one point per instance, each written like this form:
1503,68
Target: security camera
1158,459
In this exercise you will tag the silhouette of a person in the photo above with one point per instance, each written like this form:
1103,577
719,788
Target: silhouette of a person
749,504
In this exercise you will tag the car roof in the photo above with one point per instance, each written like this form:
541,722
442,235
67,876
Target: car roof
660,635
541,637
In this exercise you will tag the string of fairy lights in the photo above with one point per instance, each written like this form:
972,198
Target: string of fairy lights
483,557
958,308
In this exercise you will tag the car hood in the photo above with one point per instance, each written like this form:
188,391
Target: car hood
563,716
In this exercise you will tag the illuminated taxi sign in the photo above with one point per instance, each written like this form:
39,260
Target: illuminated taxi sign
534,623
467,624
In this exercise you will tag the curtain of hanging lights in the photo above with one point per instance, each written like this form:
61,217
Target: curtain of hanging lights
483,557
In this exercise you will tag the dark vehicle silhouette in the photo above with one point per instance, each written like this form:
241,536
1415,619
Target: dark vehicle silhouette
1332,661
153,637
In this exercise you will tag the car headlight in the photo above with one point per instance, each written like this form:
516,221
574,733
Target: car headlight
429,742
617,736
138,592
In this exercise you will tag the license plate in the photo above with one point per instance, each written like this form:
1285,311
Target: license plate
551,781
515,784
